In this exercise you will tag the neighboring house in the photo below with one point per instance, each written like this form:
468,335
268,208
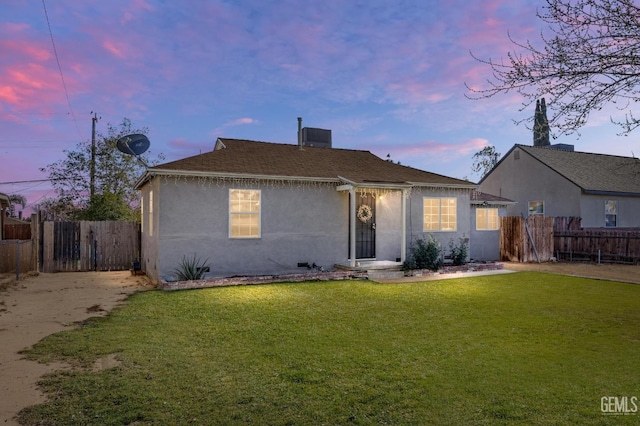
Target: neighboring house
262,208
486,211
555,180
4,205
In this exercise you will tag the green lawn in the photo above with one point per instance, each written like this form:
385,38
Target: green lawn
523,348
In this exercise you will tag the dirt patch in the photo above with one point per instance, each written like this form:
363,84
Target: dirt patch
611,272
38,306
106,362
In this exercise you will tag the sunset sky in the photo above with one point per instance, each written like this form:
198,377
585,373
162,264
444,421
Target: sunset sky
384,76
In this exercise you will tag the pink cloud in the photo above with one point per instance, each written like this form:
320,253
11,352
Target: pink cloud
233,123
115,48
30,85
242,121
25,49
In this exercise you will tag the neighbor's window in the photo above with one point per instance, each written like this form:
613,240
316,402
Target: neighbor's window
440,214
244,213
536,207
487,219
610,213
150,213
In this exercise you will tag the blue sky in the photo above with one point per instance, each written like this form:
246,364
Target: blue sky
384,76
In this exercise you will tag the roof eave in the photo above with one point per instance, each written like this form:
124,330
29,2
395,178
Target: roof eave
225,175
470,185
493,203
4,201
611,193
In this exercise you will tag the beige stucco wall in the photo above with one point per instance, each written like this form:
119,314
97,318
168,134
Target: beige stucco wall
149,237
299,224
486,244
527,179
416,214
593,211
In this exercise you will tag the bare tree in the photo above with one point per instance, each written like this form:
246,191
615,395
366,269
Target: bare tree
484,160
590,58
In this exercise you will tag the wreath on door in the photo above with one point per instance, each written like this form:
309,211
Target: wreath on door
364,213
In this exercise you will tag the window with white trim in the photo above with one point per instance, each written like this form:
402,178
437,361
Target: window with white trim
610,213
536,207
487,219
440,214
244,213
150,213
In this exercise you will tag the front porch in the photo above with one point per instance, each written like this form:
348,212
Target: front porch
371,265
377,224
375,269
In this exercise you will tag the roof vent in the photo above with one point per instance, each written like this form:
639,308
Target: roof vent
320,138
562,146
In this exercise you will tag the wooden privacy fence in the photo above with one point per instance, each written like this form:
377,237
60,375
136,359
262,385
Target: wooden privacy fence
89,246
611,245
527,239
17,232
17,256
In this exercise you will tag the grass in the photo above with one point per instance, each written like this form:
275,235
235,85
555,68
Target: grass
524,348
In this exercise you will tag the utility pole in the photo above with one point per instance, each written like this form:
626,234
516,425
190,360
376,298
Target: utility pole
92,172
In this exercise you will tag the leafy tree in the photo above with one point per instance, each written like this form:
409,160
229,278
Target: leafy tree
115,176
590,58
56,209
107,206
484,160
14,200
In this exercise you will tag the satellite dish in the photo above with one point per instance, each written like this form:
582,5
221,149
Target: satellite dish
135,144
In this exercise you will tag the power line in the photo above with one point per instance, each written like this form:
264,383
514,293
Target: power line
64,85
34,180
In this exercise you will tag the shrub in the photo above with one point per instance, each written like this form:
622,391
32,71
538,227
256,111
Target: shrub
425,255
458,253
191,269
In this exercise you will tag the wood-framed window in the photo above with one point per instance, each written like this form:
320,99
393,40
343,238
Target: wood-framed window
440,214
244,213
536,207
610,213
487,219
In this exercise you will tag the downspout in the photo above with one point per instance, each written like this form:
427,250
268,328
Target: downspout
403,239
352,227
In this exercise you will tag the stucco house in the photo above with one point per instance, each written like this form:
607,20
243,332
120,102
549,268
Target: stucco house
263,208
486,211
556,180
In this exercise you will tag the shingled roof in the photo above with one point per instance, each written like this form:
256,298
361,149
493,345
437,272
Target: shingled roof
244,158
593,173
481,198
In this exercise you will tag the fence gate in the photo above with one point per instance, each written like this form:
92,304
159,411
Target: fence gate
89,246
527,239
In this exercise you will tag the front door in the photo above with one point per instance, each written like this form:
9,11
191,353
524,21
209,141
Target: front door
365,226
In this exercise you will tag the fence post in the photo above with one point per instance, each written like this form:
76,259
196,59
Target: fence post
17,260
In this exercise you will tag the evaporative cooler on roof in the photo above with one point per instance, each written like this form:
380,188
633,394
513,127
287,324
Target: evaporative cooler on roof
320,138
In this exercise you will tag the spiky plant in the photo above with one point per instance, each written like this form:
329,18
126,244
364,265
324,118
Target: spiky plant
191,268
